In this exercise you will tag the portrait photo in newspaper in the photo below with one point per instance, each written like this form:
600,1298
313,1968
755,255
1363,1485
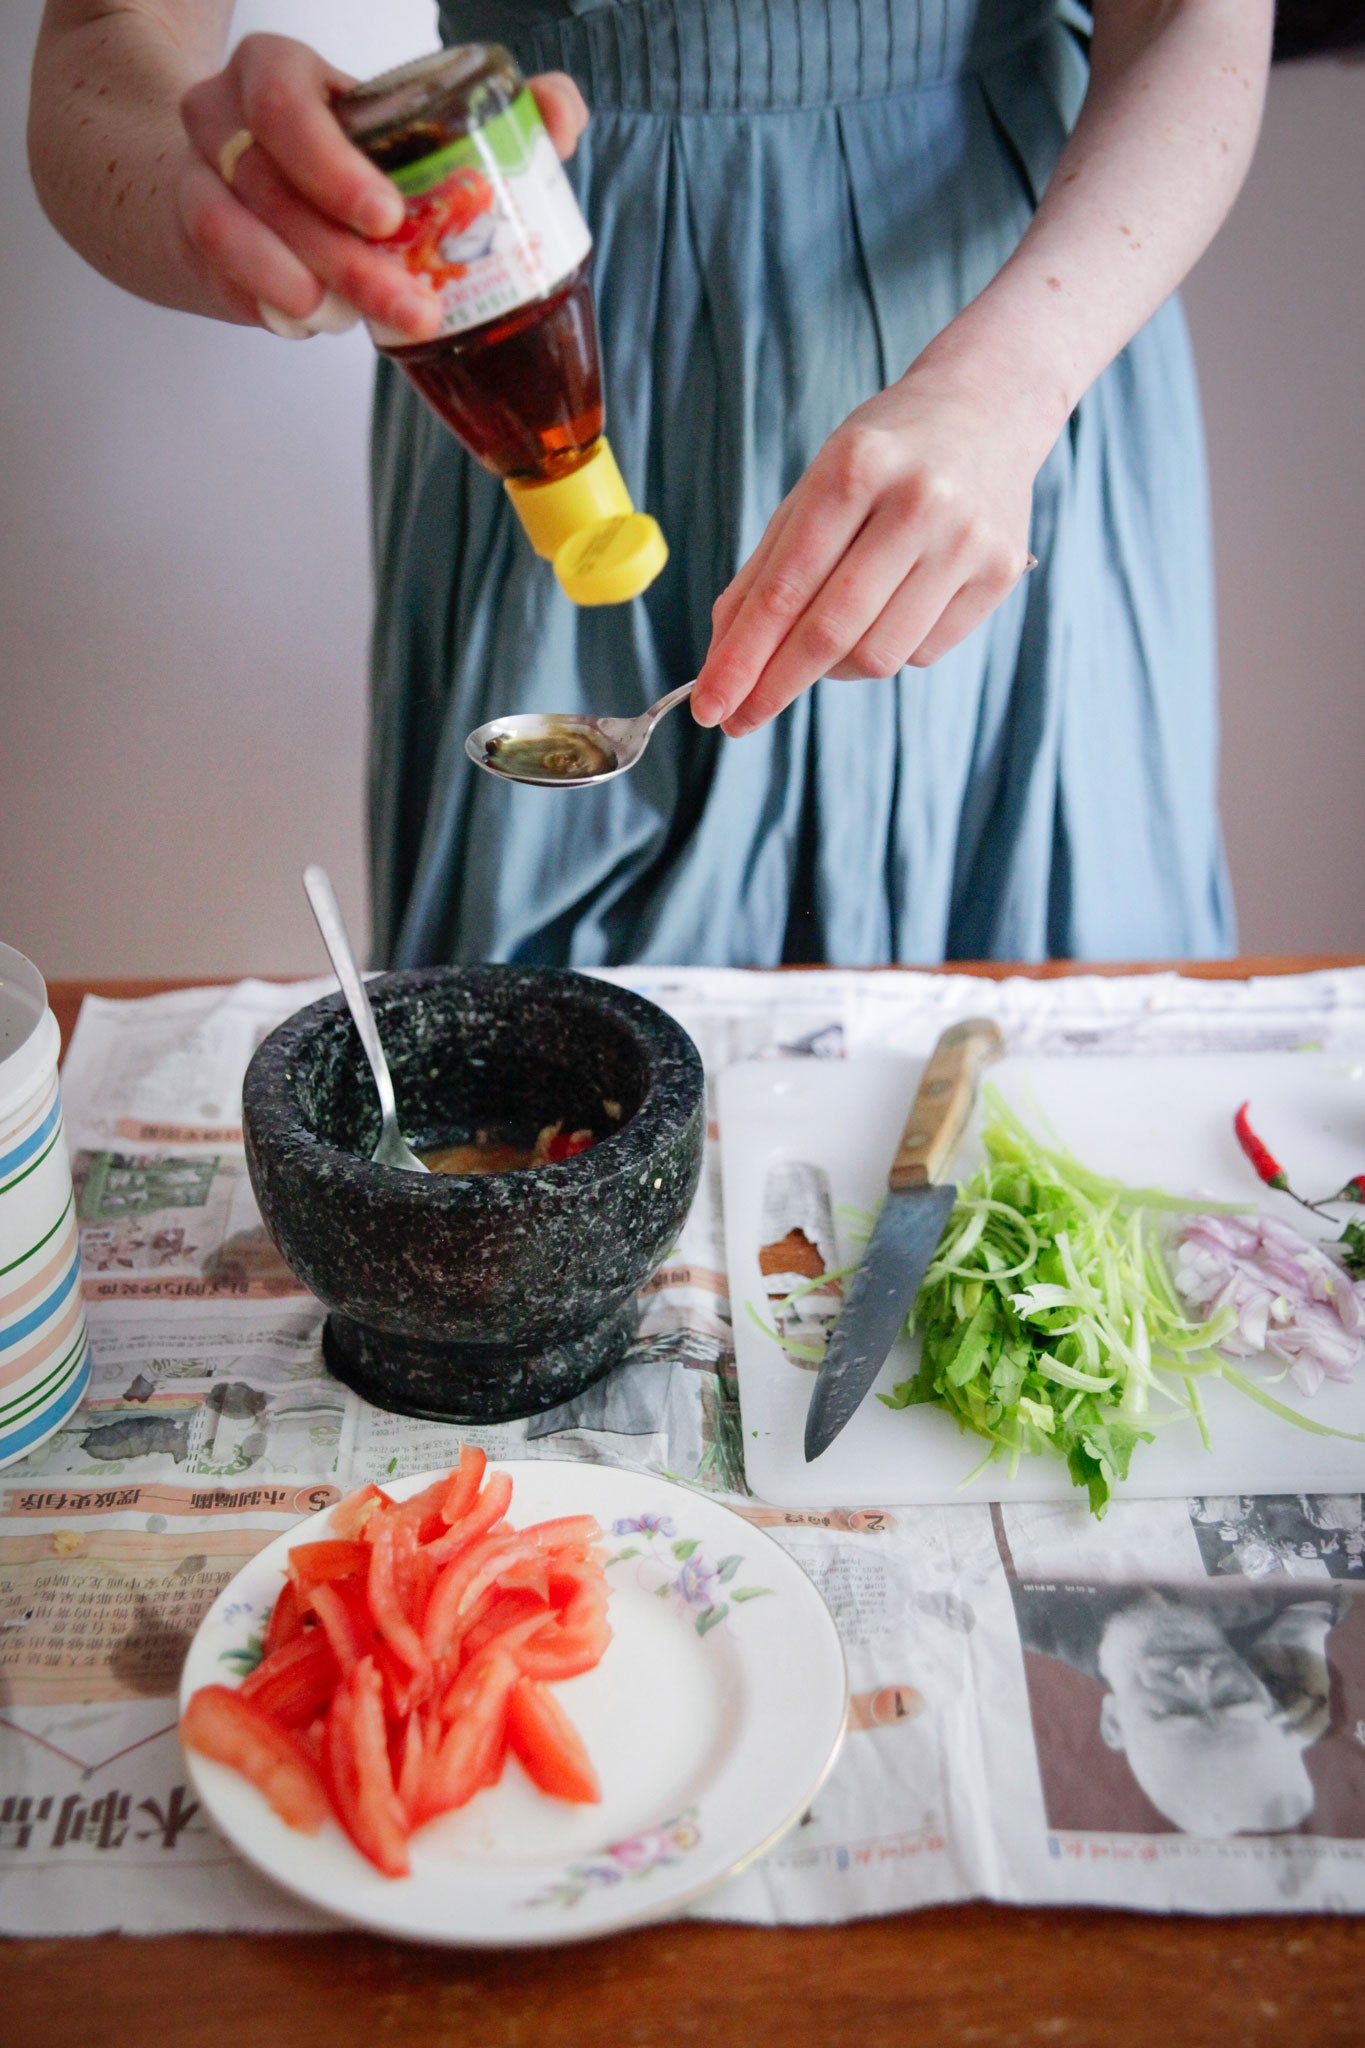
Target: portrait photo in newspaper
1227,1706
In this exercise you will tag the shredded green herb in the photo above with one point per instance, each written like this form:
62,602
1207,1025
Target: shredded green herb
1352,1254
1048,1317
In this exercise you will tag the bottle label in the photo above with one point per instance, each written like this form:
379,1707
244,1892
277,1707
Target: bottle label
492,221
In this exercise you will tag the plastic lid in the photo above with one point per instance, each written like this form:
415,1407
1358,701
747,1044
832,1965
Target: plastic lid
612,560
407,89
604,551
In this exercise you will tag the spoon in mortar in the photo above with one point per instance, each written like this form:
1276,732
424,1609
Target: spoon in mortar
391,1149
566,749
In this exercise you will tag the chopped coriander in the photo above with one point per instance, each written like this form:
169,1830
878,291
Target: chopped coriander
1049,1320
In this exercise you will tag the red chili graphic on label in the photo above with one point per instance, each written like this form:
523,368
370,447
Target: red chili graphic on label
448,209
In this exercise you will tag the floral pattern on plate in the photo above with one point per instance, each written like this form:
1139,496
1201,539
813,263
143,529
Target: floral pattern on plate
703,1589
639,1856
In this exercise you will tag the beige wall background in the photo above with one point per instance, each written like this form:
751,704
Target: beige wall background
184,585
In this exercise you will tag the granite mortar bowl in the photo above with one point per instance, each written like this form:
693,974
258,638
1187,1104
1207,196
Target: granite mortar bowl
477,1297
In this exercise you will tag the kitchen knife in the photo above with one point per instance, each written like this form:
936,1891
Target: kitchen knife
906,1233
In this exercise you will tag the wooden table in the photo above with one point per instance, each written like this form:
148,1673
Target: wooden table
979,1976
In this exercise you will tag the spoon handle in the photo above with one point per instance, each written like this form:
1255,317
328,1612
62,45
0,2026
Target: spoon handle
321,895
656,711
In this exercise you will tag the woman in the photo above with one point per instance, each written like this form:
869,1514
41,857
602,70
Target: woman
884,289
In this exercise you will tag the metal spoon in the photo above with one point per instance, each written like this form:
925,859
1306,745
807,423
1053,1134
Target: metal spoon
563,749
391,1149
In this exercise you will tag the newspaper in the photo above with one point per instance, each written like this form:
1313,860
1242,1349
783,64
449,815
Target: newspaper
1022,1726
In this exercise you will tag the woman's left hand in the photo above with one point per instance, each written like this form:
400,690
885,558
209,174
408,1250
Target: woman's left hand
909,527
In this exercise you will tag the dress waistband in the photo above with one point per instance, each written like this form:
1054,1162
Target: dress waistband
723,56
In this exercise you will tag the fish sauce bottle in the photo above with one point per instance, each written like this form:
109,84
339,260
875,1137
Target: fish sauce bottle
492,223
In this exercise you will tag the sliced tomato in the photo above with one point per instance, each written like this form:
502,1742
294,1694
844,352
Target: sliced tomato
421,1577
393,1651
570,1556
404,1688
286,1620
382,1590
515,1555
572,1577
459,1766
486,1600
563,1653
357,1752
336,1557
563,1530
457,1593
489,1509
350,1515
494,1758
462,1487
549,1747
422,1514
451,1596
219,1723
468,1682
502,1612
381,1811
577,1641
341,1608
411,1764
296,1681
528,1575
413,1572
518,1560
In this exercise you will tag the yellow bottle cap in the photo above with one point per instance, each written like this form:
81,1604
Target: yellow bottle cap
612,560
604,551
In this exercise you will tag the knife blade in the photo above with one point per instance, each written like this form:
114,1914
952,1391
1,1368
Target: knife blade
906,1233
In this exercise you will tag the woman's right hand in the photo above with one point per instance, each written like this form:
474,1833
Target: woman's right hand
305,208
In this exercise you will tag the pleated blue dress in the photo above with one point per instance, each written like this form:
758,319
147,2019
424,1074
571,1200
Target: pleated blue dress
789,199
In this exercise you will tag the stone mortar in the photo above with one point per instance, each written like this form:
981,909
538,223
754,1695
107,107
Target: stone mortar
477,1297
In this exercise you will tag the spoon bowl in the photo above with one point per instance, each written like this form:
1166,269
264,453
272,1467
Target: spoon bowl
565,749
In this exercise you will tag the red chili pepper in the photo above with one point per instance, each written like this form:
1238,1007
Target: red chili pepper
566,1144
1260,1155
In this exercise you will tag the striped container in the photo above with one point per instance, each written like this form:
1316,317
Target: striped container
44,1350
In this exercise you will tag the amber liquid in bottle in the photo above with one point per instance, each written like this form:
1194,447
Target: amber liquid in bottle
524,393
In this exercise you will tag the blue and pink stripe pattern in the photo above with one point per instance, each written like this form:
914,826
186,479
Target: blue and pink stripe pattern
44,1349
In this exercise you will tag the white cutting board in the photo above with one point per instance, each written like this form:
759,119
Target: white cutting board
1154,1121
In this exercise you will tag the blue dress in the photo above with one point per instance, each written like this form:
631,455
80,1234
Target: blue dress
789,198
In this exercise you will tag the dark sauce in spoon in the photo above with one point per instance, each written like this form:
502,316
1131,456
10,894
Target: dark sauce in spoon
552,757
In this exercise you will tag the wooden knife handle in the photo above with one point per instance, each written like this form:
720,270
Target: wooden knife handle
944,1101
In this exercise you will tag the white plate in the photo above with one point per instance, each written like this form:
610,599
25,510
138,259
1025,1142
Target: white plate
713,1719
1146,1119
